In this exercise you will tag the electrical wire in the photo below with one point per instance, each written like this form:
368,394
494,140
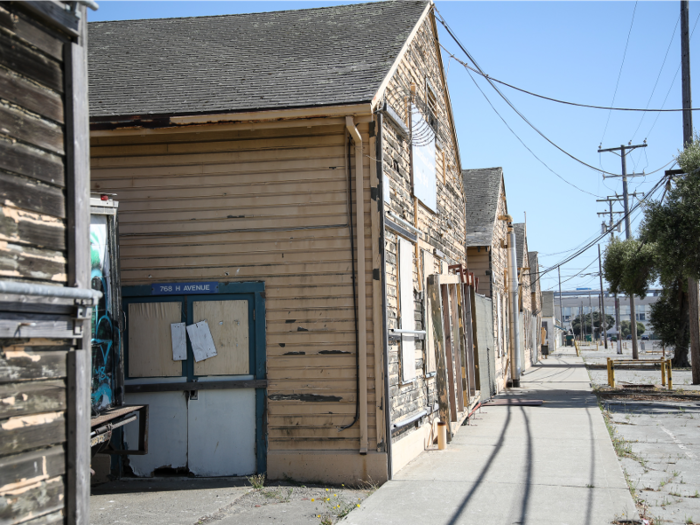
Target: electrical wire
557,100
523,143
619,75
442,21
657,77
673,81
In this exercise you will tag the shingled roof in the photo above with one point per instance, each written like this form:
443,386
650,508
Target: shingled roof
483,187
285,59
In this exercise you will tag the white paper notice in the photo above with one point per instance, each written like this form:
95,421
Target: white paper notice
202,341
179,341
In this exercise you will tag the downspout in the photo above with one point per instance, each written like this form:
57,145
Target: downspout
382,249
361,281
515,362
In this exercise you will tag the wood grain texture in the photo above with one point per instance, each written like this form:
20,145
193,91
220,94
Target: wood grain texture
20,58
28,432
228,323
30,467
23,363
30,32
33,130
21,399
31,162
40,198
31,96
150,348
45,497
23,227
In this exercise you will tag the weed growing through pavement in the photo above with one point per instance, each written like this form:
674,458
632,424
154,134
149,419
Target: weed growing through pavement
335,507
257,481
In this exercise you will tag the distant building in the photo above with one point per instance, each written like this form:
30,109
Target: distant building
573,301
551,322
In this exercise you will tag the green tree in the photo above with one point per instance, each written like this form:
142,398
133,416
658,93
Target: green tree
626,328
673,227
576,323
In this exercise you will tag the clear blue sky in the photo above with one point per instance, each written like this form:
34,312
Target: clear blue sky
566,50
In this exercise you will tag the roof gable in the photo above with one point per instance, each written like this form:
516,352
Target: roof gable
285,59
483,189
534,268
519,229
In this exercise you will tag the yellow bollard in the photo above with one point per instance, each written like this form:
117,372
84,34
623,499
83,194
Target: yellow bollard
663,372
669,369
608,371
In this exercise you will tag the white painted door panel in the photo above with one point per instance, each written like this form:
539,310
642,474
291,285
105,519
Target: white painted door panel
167,432
221,429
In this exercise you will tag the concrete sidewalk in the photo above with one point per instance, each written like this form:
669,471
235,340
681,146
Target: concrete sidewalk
552,464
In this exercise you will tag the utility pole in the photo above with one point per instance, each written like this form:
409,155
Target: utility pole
624,151
561,308
687,139
603,318
582,324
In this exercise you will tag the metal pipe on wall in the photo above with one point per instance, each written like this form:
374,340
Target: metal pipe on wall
361,279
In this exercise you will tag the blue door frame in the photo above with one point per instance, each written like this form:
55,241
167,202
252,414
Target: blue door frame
254,293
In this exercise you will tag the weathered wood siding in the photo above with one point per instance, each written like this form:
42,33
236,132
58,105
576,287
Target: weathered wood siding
32,150
499,289
33,248
264,205
444,231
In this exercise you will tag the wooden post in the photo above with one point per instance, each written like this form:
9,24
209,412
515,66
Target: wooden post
609,373
78,237
458,338
669,370
449,358
439,341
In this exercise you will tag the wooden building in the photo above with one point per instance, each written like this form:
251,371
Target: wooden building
535,302
292,178
487,254
45,294
528,332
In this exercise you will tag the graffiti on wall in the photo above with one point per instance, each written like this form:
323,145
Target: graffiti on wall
105,334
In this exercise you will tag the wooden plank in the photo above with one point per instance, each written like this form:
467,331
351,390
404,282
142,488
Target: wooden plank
30,96
150,350
458,340
441,380
27,262
21,399
22,363
28,468
199,385
300,143
53,518
228,322
23,227
27,432
31,33
31,162
55,16
22,193
473,375
27,62
449,358
28,128
45,497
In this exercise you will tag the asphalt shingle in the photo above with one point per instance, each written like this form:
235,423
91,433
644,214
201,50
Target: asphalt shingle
285,59
482,187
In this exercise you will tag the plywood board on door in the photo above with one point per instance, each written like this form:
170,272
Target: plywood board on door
228,323
150,346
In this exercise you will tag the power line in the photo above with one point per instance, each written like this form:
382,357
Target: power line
657,77
619,75
559,101
457,41
673,81
523,143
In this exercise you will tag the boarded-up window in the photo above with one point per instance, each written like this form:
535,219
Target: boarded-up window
228,323
408,347
150,347
423,148
428,270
